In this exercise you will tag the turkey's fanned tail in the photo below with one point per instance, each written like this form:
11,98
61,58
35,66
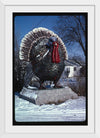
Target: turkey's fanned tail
32,37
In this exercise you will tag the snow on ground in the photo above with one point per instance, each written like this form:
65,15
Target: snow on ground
70,110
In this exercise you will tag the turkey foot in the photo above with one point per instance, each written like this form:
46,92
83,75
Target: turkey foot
58,86
41,86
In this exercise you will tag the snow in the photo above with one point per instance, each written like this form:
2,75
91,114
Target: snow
70,110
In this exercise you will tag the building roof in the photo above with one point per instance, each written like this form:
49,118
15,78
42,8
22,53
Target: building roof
71,63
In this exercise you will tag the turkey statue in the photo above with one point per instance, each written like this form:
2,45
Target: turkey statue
44,53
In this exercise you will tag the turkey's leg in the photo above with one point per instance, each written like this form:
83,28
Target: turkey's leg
57,85
41,85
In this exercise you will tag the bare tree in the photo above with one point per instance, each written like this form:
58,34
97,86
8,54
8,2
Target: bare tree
78,59
72,29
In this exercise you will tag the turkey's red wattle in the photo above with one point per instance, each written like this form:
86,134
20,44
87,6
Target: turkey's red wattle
55,53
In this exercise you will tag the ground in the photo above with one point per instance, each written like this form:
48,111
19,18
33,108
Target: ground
70,110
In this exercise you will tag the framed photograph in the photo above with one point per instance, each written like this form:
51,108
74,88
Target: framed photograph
49,61
56,80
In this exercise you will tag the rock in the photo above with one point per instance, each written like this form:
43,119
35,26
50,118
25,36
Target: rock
55,96
49,96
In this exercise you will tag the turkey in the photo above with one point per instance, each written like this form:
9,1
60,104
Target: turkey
45,53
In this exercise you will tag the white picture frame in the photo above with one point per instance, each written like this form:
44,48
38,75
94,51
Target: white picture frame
6,128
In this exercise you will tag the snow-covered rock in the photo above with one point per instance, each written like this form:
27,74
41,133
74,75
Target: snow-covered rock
55,96
49,96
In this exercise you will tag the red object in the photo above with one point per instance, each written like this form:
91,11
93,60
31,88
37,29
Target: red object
55,53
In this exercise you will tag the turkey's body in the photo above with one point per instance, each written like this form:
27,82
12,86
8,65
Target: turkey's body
35,49
46,70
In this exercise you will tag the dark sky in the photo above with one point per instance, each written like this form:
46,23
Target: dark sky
24,24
